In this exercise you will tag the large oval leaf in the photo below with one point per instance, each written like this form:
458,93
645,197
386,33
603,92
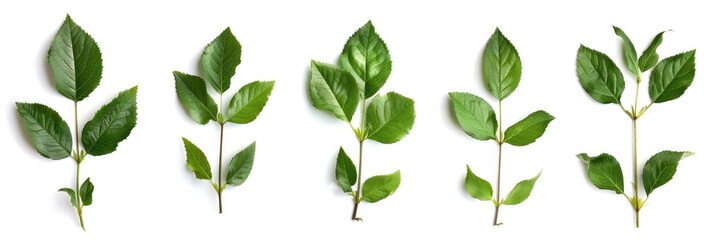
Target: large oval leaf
380,187
390,117
333,89
477,187
240,166
197,161
49,133
192,94
249,101
366,57
220,59
671,77
604,172
475,115
111,124
500,66
521,191
529,129
599,76
345,171
660,168
628,51
75,60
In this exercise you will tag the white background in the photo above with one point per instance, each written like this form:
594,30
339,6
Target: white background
145,190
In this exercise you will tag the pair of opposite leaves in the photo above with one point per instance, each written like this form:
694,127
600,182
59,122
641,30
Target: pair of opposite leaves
76,63
603,81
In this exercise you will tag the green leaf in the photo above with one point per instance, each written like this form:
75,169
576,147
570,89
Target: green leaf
380,187
75,60
196,161
599,76
604,172
220,59
48,132
345,171
671,77
111,124
85,192
477,187
249,101
660,168
333,89
475,115
521,191
500,66
650,57
72,195
192,94
529,129
366,57
390,117
628,51
240,166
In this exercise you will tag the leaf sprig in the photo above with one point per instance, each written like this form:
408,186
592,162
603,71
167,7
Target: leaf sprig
76,63
603,81
363,69
501,69
219,61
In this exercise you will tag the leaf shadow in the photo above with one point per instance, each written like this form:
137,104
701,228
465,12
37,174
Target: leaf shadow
449,108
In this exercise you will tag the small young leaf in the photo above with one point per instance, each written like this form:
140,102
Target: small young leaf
500,66
249,101
521,191
380,187
604,172
366,57
660,168
650,57
345,171
475,115
111,124
628,51
192,94
220,59
196,161
240,166
49,133
477,187
72,195
671,77
529,129
599,76
390,117
75,60
85,192
333,89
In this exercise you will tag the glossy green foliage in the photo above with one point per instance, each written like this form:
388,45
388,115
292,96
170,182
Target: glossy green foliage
111,124
363,69
75,60
599,76
671,77
475,115
604,172
500,66
380,187
48,132
521,191
477,187
192,93
220,59
240,166
529,129
196,161
76,67
660,168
